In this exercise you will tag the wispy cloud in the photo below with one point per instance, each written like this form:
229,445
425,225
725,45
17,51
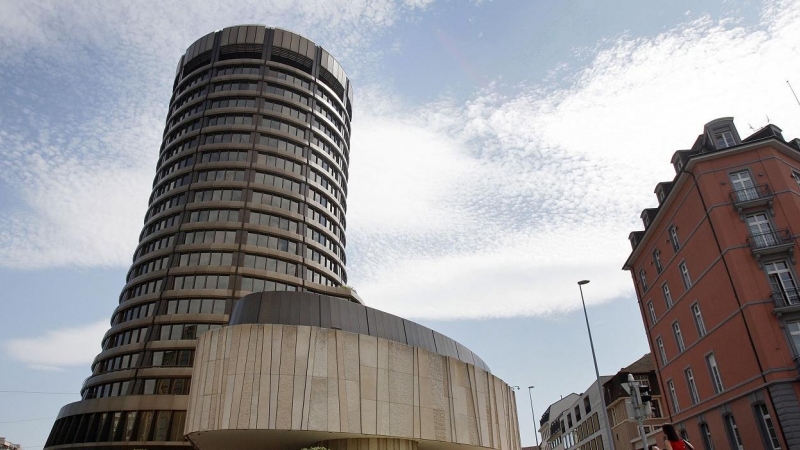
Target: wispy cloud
58,349
513,198
491,207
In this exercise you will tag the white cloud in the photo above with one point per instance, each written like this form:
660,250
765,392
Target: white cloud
494,206
58,349
547,184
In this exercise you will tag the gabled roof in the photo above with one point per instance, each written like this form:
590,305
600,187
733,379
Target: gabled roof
642,365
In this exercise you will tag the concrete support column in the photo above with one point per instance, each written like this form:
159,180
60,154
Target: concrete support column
368,444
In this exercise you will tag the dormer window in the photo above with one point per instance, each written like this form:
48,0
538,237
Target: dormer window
724,139
661,196
678,166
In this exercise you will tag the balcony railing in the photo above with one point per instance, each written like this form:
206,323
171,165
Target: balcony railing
770,241
786,298
753,194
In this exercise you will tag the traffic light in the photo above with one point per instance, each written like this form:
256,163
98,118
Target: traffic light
644,393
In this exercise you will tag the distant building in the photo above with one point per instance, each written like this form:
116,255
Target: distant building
6,445
716,277
575,421
624,426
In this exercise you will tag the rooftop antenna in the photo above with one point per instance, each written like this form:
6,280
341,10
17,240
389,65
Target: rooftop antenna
751,127
795,95
767,119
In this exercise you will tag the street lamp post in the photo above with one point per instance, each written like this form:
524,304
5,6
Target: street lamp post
596,370
533,415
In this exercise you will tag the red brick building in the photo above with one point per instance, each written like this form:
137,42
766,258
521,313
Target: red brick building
716,278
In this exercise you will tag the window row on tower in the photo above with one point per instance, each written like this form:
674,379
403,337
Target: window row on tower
119,426
329,177
252,73
328,252
290,94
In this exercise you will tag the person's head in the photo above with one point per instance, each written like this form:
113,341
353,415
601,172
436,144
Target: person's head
670,433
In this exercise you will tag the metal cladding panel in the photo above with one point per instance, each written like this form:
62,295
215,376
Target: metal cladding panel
277,37
180,66
260,34
225,36
331,65
444,345
308,309
464,354
242,37
325,313
199,46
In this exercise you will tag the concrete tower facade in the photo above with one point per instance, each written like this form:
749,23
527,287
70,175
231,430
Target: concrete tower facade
249,201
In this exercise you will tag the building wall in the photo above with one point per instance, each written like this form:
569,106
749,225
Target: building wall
730,286
322,384
588,433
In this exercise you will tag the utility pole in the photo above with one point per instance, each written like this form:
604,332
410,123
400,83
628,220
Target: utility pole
640,400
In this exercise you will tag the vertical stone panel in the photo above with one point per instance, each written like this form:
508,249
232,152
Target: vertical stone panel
264,407
277,344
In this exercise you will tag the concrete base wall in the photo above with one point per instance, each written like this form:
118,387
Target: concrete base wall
308,384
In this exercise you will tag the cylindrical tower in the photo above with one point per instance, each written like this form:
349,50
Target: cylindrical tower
249,195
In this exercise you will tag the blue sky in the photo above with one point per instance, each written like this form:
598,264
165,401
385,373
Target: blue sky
501,151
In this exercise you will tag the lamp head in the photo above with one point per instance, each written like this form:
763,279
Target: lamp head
514,387
582,282
530,387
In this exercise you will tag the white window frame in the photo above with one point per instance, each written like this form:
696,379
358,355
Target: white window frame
796,176
673,238
652,311
679,342
698,319
657,260
676,408
667,295
661,350
733,431
685,277
769,426
792,333
716,376
705,434
724,139
643,279
691,383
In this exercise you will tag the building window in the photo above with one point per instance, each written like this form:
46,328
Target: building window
673,238
587,406
643,279
761,230
698,319
667,295
673,395
687,281
724,139
713,369
743,187
656,407
733,432
652,311
577,414
768,427
676,330
661,351
690,383
794,333
783,282
705,434
796,176
657,261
